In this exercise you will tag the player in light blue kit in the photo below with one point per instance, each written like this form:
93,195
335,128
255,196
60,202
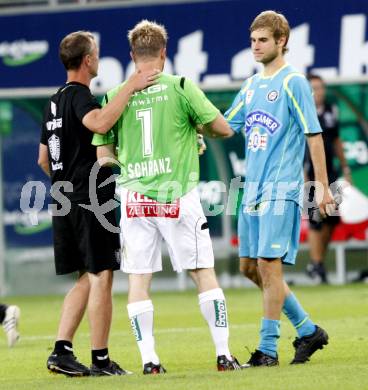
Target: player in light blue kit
276,111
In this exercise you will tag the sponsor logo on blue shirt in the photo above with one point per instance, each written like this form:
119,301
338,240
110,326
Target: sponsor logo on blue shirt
263,119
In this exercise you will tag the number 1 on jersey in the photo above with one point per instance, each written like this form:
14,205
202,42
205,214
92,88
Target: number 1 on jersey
145,117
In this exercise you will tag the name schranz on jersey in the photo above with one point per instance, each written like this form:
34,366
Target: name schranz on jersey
149,168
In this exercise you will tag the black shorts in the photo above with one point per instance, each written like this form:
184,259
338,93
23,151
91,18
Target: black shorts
81,243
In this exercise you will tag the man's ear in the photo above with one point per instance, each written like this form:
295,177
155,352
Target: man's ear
132,56
163,53
281,42
86,60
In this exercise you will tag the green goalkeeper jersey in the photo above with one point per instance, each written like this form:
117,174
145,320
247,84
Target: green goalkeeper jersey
156,137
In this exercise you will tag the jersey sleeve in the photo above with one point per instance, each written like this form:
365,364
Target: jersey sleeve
104,139
84,102
301,103
201,110
235,115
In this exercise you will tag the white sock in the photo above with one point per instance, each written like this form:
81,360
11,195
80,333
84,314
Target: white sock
141,319
213,308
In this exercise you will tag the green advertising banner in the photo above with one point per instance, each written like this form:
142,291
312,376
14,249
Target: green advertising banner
6,117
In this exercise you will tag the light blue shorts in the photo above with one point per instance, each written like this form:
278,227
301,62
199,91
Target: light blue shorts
270,230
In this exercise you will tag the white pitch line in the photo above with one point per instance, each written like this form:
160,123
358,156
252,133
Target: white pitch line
128,333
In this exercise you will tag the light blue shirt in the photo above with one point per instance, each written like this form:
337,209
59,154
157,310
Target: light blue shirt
274,113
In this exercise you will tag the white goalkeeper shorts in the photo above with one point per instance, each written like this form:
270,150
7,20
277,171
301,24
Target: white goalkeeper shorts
145,224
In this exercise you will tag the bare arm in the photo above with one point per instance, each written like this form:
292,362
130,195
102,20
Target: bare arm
106,155
102,120
339,151
318,157
43,159
218,128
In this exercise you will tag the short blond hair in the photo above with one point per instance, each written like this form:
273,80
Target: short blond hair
147,38
275,22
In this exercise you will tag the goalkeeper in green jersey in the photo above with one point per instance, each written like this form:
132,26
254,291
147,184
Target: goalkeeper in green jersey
156,143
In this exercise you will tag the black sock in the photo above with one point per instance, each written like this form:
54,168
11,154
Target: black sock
2,312
63,347
100,357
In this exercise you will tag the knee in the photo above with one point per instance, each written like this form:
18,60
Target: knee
83,281
270,272
194,277
102,279
139,286
248,269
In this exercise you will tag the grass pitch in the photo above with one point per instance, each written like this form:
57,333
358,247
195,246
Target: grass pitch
185,348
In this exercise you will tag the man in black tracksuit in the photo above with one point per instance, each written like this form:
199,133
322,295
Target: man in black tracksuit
81,243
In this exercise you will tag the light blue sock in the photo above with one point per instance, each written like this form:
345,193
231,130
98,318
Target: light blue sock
297,316
270,332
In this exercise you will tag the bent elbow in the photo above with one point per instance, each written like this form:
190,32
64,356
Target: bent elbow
100,128
96,122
